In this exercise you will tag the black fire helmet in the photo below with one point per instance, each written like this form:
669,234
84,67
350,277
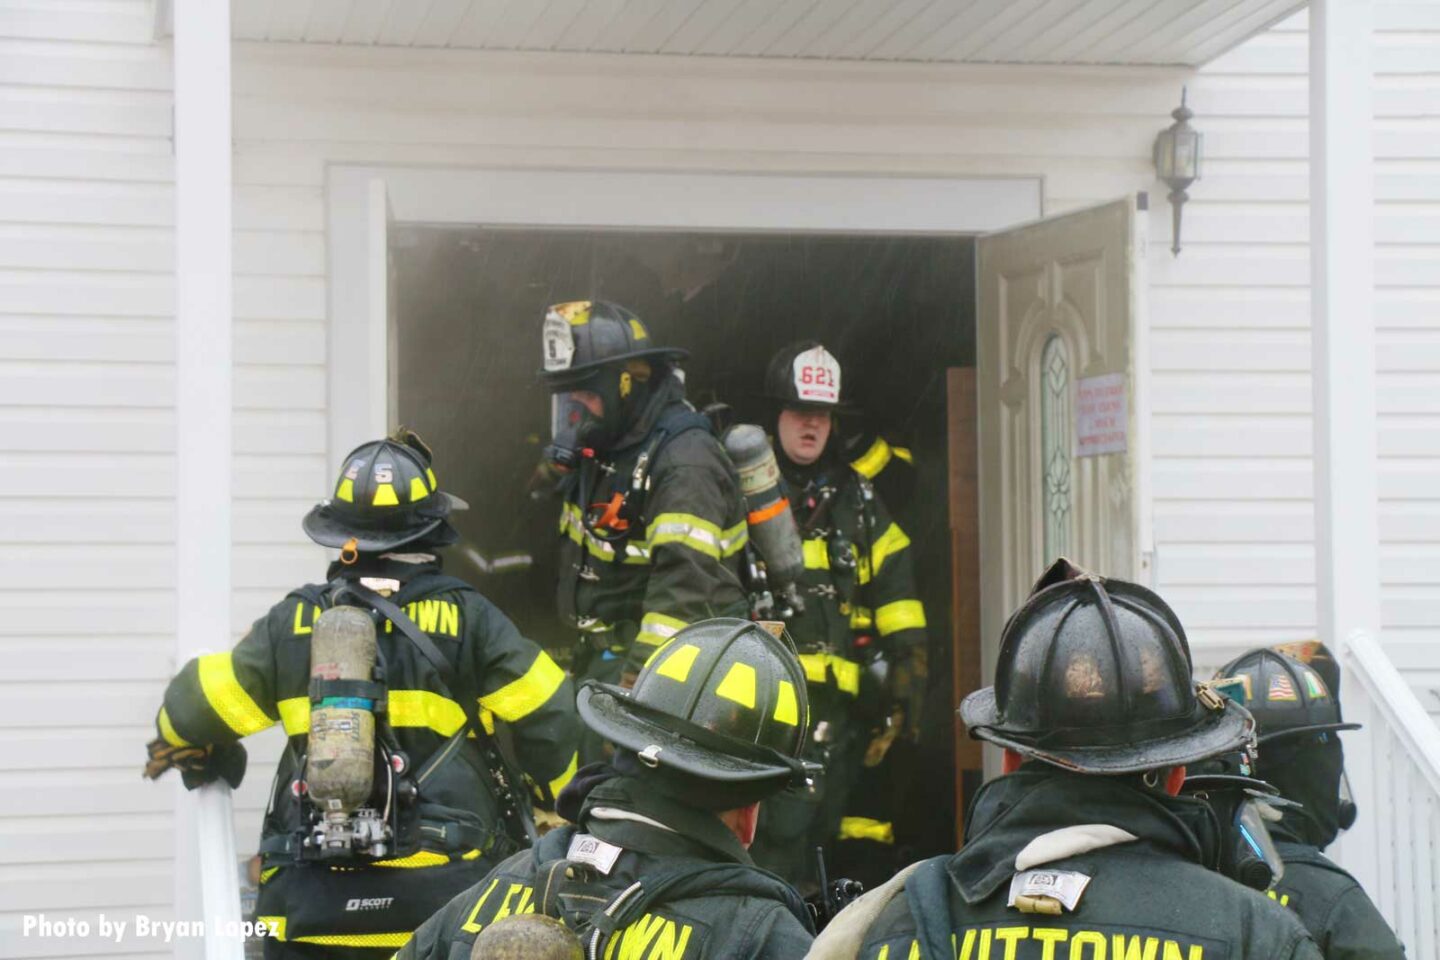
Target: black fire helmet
805,376
718,715
1095,676
580,337
386,496
1285,696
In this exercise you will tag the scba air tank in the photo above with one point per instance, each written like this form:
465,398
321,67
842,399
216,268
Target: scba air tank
340,769
772,525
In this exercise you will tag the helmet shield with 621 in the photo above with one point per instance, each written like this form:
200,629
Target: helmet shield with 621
1094,675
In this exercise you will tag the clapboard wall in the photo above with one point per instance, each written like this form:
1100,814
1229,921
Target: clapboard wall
86,338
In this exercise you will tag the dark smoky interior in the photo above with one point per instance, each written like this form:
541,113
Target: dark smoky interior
898,312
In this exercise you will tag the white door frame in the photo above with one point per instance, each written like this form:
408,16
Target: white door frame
740,202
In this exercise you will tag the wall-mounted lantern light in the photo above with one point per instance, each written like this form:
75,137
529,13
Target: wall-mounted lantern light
1177,162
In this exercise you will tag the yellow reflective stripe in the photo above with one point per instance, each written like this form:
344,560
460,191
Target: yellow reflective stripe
817,554
167,730
900,615
421,708
872,461
904,454
346,490
677,664
559,782
227,698
295,715
685,529
862,618
425,858
846,672
359,940
787,708
276,925
738,685
733,540
889,543
656,628
418,490
523,696
572,525
267,873
864,828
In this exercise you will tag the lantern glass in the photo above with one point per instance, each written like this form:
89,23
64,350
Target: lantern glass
1185,154
1165,154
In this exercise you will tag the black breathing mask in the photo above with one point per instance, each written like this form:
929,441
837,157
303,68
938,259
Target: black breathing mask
1243,806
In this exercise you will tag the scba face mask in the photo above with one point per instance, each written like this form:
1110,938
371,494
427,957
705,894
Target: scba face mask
576,423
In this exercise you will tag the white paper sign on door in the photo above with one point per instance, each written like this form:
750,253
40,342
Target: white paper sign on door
1100,415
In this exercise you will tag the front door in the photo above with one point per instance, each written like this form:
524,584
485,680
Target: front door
1056,385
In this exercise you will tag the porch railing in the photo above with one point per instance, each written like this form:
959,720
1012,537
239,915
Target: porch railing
1394,766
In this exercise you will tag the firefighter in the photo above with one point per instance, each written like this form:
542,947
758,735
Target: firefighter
653,524
1083,848
861,634
1296,706
655,864
452,665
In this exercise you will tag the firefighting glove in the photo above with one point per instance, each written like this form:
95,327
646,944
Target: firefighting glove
907,688
197,765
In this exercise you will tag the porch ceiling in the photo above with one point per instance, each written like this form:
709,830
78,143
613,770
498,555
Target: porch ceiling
1131,32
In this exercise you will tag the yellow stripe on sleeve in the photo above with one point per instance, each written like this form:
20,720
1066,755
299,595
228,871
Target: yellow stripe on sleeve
900,615
521,697
889,543
227,698
294,715
656,628
872,461
167,730
559,782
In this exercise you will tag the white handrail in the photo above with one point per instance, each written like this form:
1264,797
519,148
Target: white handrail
219,872
1396,702
1393,763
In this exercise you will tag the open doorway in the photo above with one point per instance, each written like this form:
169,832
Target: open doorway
898,311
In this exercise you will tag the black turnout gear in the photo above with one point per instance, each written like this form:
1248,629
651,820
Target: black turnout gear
648,875
640,560
1332,905
1140,883
714,722
1298,716
1095,675
1070,853
861,633
453,835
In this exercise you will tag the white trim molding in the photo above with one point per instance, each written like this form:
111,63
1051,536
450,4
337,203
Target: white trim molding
593,199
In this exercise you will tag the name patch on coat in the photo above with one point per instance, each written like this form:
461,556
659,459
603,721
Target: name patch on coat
593,852
1066,886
